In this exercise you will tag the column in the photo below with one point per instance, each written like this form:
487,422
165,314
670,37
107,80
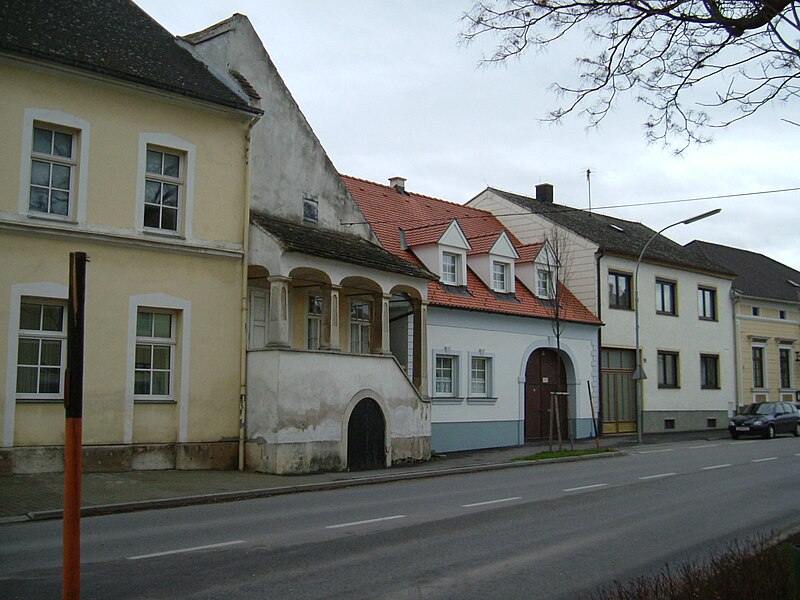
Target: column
278,331
330,318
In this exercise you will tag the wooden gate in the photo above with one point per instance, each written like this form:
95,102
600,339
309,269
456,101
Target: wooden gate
366,434
544,373
618,390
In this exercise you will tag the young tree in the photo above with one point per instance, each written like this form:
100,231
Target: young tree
690,61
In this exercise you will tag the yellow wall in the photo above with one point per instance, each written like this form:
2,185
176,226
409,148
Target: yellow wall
127,263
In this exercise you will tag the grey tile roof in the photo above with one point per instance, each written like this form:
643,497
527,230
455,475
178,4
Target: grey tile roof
614,235
335,246
113,38
756,275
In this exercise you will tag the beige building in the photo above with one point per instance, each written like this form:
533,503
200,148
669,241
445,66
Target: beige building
766,319
120,144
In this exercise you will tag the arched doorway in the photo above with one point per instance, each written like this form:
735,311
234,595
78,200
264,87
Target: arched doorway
366,431
545,373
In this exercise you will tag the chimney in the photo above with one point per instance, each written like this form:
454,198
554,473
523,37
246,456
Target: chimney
398,183
544,192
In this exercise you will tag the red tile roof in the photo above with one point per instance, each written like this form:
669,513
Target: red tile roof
529,252
427,234
388,210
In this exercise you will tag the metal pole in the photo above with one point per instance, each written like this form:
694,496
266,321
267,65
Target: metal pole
73,405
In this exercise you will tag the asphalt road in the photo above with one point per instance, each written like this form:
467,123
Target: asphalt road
550,532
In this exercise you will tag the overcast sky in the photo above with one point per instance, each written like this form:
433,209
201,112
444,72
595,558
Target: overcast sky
389,91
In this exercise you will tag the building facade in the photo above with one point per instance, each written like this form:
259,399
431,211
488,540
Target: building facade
499,362
684,310
146,174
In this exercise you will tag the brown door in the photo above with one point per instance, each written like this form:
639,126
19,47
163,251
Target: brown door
544,374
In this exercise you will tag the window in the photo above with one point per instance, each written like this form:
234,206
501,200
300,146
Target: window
446,375
667,369
480,376
310,209
360,330
782,314
758,366
41,350
707,303
709,371
785,362
665,297
544,283
163,189
53,164
155,344
755,311
619,290
313,321
499,276
449,268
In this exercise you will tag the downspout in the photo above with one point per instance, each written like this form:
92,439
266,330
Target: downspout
244,299
737,349
600,415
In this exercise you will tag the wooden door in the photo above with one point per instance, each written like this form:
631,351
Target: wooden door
545,373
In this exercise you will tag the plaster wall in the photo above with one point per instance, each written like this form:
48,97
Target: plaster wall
509,341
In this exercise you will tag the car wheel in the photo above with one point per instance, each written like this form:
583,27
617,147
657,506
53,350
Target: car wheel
797,429
770,433
735,435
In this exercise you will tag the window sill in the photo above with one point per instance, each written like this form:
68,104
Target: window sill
446,400
40,401
707,387
489,400
666,314
66,219
163,233
154,401
620,307
669,387
711,319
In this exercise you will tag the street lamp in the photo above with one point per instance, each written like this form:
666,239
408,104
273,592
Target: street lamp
639,374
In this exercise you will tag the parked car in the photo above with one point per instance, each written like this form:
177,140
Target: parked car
766,419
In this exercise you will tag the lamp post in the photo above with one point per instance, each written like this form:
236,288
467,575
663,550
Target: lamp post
639,374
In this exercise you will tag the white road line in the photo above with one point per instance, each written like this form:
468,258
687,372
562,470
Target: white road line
365,522
585,487
703,446
717,467
657,476
765,459
656,451
491,502
183,550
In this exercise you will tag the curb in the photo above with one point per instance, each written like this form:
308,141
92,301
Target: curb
179,501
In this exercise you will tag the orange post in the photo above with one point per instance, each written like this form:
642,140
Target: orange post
73,438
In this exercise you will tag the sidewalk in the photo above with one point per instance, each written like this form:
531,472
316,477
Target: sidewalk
40,496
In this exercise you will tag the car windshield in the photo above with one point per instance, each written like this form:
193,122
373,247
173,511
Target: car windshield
759,409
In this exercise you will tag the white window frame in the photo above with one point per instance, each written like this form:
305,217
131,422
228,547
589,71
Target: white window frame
488,361
152,341
360,324
501,274
258,321
313,321
186,150
41,335
549,293
183,311
455,379
79,128
44,289
446,279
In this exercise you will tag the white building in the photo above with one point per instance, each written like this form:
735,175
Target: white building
494,359
684,312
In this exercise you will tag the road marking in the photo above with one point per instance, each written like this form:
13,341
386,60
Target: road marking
365,522
585,487
703,446
717,467
182,550
657,476
491,502
765,459
657,451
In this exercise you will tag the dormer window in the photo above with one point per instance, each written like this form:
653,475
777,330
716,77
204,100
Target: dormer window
500,276
544,283
449,268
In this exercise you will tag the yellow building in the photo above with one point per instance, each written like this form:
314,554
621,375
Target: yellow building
120,144
766,302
